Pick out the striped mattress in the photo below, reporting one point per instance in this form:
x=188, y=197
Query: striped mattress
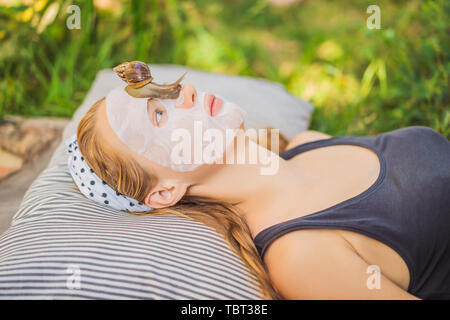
x=63, y=246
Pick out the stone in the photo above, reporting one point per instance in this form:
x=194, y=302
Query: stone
x=20, y=168
x=9, y=163
x=22, y=140
x=26, y=138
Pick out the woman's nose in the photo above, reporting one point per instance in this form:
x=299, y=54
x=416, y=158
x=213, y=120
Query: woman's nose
x=189, y=95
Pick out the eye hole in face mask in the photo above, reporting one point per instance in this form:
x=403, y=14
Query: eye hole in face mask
x=156, y=113
x=158, y=116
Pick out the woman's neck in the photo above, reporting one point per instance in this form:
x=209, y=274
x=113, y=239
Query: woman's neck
x=263, y=198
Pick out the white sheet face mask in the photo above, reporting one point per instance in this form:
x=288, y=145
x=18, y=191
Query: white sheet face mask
x=172, y=136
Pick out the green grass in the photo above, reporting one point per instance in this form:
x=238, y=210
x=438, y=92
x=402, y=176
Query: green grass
x=361, y=81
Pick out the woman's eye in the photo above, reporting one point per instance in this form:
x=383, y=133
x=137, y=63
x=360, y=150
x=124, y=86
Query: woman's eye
x=158, y=116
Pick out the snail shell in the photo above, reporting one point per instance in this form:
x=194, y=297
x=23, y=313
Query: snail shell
x=137, y=75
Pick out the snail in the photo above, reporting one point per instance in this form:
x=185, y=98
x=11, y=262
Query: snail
x=140, y=82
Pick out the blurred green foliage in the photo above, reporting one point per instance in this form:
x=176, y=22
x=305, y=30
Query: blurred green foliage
x=361, y=81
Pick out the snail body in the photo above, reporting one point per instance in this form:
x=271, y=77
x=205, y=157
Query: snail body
x=140, y=82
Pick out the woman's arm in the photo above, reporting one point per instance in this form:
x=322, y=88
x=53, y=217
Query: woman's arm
x=319, y=264
x=306, y=136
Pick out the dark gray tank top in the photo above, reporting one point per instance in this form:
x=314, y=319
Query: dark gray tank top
x=407, y=208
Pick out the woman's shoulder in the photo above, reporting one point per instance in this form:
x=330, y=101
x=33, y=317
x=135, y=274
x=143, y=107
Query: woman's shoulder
x=299, y=260
x=305, y=137
x=303, y=245
x=323, y=264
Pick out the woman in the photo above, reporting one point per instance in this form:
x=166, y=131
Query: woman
x=342, y=218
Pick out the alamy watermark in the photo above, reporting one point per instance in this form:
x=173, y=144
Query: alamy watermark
x=374, y=280
x=193, y=150
x=74, y=20
x=73, y=281
x=374, y=20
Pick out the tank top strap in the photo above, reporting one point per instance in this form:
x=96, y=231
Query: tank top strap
x=340, y=140
x=266, y=236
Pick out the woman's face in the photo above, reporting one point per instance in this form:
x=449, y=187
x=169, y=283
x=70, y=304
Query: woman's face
x=210, y=104
x=182, y=133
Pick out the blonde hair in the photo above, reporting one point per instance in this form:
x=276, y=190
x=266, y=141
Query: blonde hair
x=126, y=176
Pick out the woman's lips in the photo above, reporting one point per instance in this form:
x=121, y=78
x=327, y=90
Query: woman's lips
x=216, y=105
x=213, y=104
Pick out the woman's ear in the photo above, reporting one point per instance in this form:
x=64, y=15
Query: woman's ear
x=165, y=195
